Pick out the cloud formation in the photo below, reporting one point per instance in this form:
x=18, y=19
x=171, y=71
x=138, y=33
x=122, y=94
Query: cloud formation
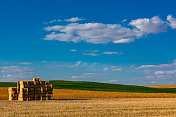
x=98, y=33
x=15, y=73
x=172, y=21
x=112, y=68
x=92, y=33
x=26, y=63
x=172, y=72
x=160, y=66
x=154, y=25
x=112, y=53
x=73, y=19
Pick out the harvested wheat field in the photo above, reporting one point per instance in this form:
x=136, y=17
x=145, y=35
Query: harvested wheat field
x=121, y=107
x=4, y=93
x=83, y=94
x=161, y=86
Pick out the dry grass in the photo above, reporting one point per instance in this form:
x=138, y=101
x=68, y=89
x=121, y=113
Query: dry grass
x=161, y=86
x=82, y=94
x=121, y=107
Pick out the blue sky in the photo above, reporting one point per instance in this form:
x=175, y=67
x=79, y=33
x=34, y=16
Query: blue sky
x=125, y=42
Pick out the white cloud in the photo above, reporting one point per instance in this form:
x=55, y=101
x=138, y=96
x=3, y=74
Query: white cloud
x=111, y=53
x=160, y=66
x=26, y=63
x=92, y=33
x=15, y=73
x=52, y=21
x=77, y=64
x=112, y=68
x=153, y=25
x=172, y=72
x=91, y=54
x=116, y=69
x=105, y=69
x=88, y=75
x=98, y=33
x=129, y=40
x=73, y=19
x=124, y=20
x=67, y=64
x=113, y=81
x=172, y=21
x=73, y=50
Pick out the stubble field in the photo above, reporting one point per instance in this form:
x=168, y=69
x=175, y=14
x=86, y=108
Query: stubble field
x=81, y=103
x=114, y=107
x=161, y=86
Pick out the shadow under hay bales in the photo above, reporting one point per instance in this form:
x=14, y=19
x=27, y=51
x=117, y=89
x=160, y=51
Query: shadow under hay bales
x=70, y=99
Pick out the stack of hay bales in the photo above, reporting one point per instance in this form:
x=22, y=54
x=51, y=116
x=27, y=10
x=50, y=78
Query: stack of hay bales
x=33, y=90
x=13, y=93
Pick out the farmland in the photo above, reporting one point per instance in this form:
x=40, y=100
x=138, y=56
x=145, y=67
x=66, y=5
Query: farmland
x=121, y=107
x=77, y=99
x=95, y=86
x=83, y=94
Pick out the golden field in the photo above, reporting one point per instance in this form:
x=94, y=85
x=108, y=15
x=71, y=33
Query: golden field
x=4, y=93
x=161, y=86
x=114, y=107
x=83, y=94
x=81, y=103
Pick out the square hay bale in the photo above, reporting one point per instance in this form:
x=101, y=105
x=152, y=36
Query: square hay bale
x=37, y=92
x=38, y=89
x=42, y=82
x=49, y=88
x=50, y=92
x=36, y=79
x=22, y=99
x=37, y=86
x=31, y=89
x=44, y=89
x=37, y=83
x=30, y=82
x=46, y=82
x=13, y=97
x=22, y=96
x=23, y=82
x=38, y=95
x=24, y=90
x=31, y=93
x=24, y=86
x=12, y=90
x=38, y=98
x=31, y=86
x=31, y=98
x=50, y=97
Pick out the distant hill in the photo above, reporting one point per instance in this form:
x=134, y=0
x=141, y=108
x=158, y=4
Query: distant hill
x=95, y=86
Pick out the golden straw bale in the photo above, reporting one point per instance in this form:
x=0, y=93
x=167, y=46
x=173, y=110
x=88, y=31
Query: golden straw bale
x=36, y=79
